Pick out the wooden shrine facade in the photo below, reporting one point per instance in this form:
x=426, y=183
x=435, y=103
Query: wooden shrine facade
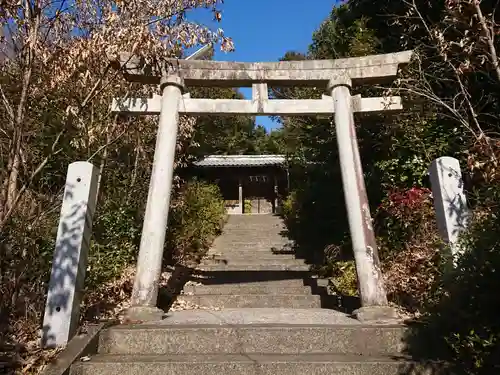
x=250, y=184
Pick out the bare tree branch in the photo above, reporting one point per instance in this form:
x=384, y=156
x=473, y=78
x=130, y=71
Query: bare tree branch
x=490, y=38
x=8, y=107
x=6, y=217
x=108, y=143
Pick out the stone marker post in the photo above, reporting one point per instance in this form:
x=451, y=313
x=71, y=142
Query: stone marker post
x=276, y=201
x=146, y=284
x=370, y=280
x=450, y=202
x=240, y=196
x=62, y=310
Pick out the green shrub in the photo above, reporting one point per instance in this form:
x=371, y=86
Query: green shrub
x=344, y=279
x=289, y=206
x=471, y=303
x=116, y=238
x=463, y=326
x=289, y=211
x=26, y=250
x=248, y=206
x=196, y=218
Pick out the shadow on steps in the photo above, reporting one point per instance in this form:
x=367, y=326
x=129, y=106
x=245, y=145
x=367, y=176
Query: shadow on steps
x=181, y=275
x=242, y=276
x=168, y=293
x=421, y=367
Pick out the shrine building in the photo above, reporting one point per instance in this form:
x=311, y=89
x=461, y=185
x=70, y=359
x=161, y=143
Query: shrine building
x=250, y=184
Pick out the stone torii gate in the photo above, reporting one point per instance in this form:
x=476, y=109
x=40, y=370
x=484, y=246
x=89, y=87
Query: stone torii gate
x=336, y=76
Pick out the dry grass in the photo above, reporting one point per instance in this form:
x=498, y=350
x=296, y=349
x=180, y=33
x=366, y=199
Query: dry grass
x=410, y=276
x=22, y=344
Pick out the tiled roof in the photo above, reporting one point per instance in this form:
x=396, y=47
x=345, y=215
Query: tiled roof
x=241, y=160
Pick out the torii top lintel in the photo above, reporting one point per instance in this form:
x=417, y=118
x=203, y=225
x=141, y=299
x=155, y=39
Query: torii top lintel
x=367, y=69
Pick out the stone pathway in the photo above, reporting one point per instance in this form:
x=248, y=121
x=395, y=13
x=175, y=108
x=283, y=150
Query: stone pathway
x=262, y=313
x=252, y=265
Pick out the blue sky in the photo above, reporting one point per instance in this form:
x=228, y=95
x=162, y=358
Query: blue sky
x=263, y=30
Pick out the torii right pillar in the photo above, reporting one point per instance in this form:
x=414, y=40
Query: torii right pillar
x=374, y=303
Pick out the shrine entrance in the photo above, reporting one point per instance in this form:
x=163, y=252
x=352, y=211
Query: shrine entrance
x=250, y=184
x=258, y=194
x=335, y=78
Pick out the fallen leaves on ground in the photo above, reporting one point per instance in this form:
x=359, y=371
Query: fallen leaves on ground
x=22, y=344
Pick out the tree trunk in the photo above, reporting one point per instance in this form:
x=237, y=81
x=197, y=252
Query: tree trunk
x=5, y=186
x=490, y=39
x=33, y=17
x=13, y=178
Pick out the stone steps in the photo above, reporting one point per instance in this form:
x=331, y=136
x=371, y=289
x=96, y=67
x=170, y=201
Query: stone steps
x=354, y=339
x=254, y=300
x=255, y=261
x=250, y=255
x=257, y=230
x=252, y=251
x=255, y=267
x=234, y=275
x=248, y=247
x=241, y=248
x=259, y=233
x=259, y=237
x=253, y=288
x=267, y=281
x=258, y=223
x=270, y=229
x=249, y=364
x=254, y=342
x=258, y=316
x=247, y=221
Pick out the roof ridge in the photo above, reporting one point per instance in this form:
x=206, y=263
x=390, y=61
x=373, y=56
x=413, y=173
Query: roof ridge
x=242, y=160
x=243, y=155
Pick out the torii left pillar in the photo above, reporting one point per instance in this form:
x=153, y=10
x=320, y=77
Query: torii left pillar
x=147, y=279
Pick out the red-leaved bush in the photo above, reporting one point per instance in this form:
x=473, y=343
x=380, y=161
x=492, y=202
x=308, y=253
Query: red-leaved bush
x=409, y=246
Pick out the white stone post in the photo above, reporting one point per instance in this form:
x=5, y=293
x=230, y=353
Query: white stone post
x=149, y=263
x=62, y=310
x=276, y=203
x=370, y=281
x=240, y=196
x=450, y=202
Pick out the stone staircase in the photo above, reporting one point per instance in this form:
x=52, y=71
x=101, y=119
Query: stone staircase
x=264, y=314
x=253, y=265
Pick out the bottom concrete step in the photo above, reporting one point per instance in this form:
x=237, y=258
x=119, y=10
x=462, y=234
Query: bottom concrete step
x=252, y=364
x=253, y=300
x=166, y=338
